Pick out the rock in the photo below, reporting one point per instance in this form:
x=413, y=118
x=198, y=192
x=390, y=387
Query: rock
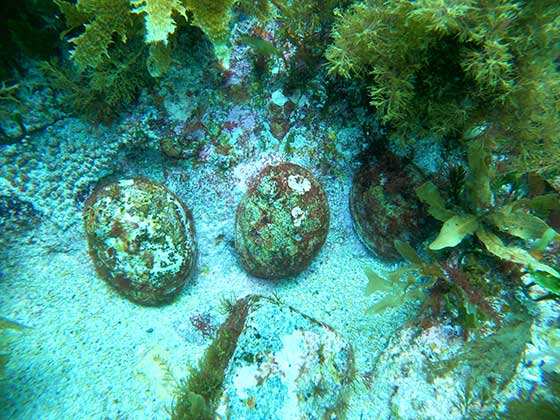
x=16, y=216
x=281, y=113
x=385, y=207
x=434, y=374
x=185, y=145
x=281, y=222
x=272, y=362
x=141, y=239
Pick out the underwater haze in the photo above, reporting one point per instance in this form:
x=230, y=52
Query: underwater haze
x=280, y=209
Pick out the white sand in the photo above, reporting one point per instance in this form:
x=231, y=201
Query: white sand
x=87, y=354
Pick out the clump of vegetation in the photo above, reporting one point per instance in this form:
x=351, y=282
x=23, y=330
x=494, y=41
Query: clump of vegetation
x=119, y=44
x=306, y=25
x=213, y=17
x=110, y=60
x=440, y=68
x=101, y=21
x=101, y=94
x=479, y=213
x=454, y=286
x=300, y=40
x=399, y=290
x=453, y=279
x=197, y=397
x=104, y=20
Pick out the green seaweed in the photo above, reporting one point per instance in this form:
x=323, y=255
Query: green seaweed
x=452, y=277
x=118, y=44
x=197, y=397
x=482, y=217
x=101, y=21
x=100, y=94
x=442, y=285
x=213, y=17
x=402, y=285
x=442, y=68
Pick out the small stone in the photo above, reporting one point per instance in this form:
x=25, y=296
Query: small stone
x=186, y=144
x=282, y=222
x=278, y=98
x=141, y=239
x=182, y=147
x=279, y=128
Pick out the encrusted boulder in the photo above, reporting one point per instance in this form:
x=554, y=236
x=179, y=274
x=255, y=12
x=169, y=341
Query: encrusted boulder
x=141, y=239
x=269, y=361
x=384, y=205
x=281, y=222
x=435, y=374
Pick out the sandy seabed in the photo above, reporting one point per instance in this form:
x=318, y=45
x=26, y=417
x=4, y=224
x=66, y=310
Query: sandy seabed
x=91, y=354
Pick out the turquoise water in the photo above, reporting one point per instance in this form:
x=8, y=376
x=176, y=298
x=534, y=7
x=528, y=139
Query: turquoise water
x=105, y=317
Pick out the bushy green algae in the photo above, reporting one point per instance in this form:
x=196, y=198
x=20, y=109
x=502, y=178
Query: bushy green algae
x=103, y=19
x=442, y=68
x=499, y=225
x=482, y=216
x=116, y=45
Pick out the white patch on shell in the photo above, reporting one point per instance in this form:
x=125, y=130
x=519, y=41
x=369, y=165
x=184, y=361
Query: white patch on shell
x=298, y=215
x=299, y=184
x=126, y=183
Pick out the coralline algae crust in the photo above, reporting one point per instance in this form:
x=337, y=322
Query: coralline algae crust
x=281, y=222
x=141, y=239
